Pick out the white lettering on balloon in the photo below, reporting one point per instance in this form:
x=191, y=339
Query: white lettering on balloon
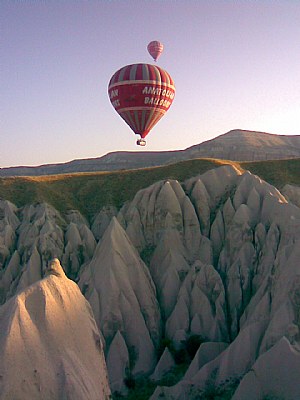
x=156, y=101
x=116, y=103
x=114, y=93
x=158, y=92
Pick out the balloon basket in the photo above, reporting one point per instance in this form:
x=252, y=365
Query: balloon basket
x=141, y=142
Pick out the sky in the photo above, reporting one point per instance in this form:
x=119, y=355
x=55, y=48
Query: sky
x=235, y=64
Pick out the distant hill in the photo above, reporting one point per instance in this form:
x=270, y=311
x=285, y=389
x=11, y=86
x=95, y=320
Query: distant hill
x=236, y=145
x=241, y=145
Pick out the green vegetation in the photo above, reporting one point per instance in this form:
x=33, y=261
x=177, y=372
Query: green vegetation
x=146, y=254
x=143, y=388
x=187, y=351
x=89, y=192
x=225, y=391
x=276, y=172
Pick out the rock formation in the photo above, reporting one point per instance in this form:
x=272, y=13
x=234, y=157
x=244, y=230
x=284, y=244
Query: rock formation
x=164, y=365
x=256, y=253
x=214, y=258
x=50, y=345
x=276, y=371
x=292, y=194
x=123, y=298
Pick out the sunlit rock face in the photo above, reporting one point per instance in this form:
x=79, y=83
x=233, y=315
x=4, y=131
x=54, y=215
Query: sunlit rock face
x=50, y=345
x=215, y=257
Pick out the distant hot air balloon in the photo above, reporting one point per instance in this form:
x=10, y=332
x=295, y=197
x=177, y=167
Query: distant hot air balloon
x=155, y=49
x=141, y=94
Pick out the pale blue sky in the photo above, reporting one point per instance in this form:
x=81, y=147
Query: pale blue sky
x=236, y=64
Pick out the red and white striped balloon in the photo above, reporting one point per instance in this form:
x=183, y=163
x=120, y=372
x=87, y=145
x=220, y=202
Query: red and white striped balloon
x=155, y=48
x=141, y=94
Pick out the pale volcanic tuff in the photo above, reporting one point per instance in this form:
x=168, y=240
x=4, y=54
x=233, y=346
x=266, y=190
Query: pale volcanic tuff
x=222, y=255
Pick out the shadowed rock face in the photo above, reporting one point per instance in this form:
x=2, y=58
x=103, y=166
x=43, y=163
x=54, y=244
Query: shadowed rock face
x=123, y=297
x=224, y=266
x=221, y=262
x=292, y=194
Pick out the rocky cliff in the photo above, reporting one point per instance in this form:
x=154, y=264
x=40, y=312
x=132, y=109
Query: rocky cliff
x=214, y=258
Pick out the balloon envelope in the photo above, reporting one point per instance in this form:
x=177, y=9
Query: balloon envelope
x=155, y=48
x=141, y=94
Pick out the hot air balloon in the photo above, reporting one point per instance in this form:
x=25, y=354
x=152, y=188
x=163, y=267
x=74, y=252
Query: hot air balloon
x=155, y=49
x=141, y=94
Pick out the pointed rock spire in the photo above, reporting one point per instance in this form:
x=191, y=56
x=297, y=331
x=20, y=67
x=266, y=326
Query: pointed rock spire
x=127, y=296
x=49, y=344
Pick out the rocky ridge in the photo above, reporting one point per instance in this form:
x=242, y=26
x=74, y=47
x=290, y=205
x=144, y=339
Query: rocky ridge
x=237, y=145
x=215, y=257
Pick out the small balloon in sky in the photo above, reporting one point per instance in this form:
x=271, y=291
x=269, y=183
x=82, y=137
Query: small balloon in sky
x=141, y=94
x=155, y=48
